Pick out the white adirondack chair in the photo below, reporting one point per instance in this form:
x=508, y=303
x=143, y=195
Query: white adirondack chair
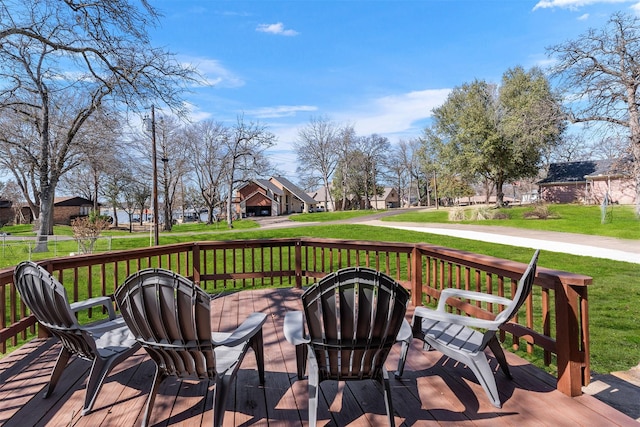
x=465, y=338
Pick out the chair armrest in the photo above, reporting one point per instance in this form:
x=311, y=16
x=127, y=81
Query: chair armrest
x=294, y=328
x=244, y=332
x=104, y=301
x=443, y=316
x=405, y=334
x=472, y=295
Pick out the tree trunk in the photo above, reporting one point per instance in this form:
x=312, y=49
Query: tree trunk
x=229, y=205
x=115, y=215
x=634, y=128
x=45, y=226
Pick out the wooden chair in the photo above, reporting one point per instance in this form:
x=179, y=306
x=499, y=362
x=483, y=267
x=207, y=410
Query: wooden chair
x=353, y=316
x=170, y=316
x=465, y=338
x=104, y=343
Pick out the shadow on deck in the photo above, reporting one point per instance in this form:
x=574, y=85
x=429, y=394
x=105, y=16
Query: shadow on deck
x=434, y=389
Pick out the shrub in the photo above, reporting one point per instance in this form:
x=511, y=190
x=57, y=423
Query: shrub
x=540, y=211
x=481, y=214
x=500, y=215
x=86, y=230
x=456, y=214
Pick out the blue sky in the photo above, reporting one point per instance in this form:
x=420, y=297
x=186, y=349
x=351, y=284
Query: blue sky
x=381, y=66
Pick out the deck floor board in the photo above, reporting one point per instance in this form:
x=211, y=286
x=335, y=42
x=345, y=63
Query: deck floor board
x=434, y=390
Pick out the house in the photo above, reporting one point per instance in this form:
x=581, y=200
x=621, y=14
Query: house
x=322, y=198
x=66, y=209
x=6, y=212
x=294, y=200
x=389, y=199
x=272, y=197
x=589, y=181
x=258, y=198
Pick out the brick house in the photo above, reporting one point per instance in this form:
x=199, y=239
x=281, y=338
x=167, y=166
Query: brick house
x=588, y=182
x=272, y=197
x=258, y=198
x=66, y=209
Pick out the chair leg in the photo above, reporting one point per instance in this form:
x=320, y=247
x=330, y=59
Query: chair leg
x=480, y=367
x=220, y=393
x=387, y=397
x=157, y=380
x=256, y=343
x=314, y=388
x=301, y=360
x=498, y=352
x=56, y=373
x=99, y=371
x=403, y=359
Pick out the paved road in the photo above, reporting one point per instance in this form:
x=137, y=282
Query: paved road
x=626, y=250
x=576, y=244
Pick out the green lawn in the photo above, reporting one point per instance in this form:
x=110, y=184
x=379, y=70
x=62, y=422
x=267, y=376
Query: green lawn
x=331, y=216
x=620, y=221
x=613, y=297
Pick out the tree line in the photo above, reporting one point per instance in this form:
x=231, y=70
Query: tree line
x=75, y=75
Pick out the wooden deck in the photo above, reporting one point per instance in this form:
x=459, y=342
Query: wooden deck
x=434, y=391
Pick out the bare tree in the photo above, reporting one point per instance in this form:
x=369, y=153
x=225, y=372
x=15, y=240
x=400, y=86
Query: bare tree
x=206, y=142
x=100, y=156
x=175, y=162
x=316, y=149
x=373, y=151
x=600, y=71
x=244, y=156
x=399, y=167
x=345, y=146
x=60, y=61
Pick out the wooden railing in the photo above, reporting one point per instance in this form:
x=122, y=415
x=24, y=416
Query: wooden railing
x=554, y=319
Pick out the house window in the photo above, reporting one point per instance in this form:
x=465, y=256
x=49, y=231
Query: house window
x=84, y=210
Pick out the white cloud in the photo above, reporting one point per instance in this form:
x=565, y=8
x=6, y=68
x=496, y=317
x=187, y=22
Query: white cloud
x=572, y=4
x=215, y=74
x=583, y=17
x=280, y=111
x=396, y=117
x=396, y=114
x=195, y=113
x=277, y=28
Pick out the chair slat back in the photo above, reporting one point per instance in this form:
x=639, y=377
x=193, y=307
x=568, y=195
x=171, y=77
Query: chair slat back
x=47, y=300
x=353, y=316
x=523, y=290
x=170, y=316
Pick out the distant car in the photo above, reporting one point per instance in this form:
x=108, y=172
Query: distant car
x=319, y=209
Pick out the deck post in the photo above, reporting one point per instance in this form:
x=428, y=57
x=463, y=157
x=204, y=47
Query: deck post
x=569, y=354
x=416, y=277
x=298, y=256
x=195, y=253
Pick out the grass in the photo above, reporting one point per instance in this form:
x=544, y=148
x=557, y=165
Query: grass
x=613, y=297
x=620, y=221
x=331, y=216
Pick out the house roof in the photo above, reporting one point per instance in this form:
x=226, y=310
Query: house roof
x=269, y=186
x=577, y=172
x=319, y=195
x=295, y=190
x=71, y=201
x=387, y=192
x=611, y=168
